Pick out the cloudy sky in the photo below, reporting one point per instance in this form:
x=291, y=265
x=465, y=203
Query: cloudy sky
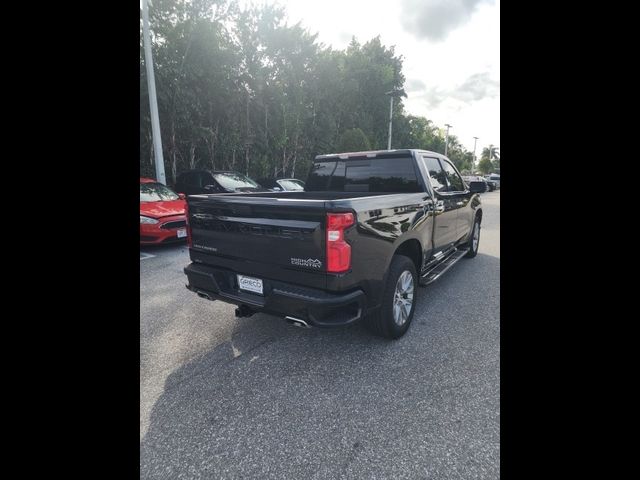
x=451, y=51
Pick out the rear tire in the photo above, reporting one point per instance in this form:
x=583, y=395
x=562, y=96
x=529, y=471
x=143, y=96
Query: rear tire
x=393, y=318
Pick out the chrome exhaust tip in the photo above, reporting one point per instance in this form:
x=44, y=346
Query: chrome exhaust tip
x=297, y=322
x=202, y=294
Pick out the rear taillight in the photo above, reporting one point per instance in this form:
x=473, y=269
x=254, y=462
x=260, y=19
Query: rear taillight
x=338, y=250
x=186, y=218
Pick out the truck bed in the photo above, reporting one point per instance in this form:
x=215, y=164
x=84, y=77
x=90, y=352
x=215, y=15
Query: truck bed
x=281, y=235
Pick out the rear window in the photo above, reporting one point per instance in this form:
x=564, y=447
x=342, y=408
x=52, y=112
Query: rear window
x=389, y=175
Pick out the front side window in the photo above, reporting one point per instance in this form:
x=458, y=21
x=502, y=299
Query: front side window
x=455, y=181
x=156, y=192
x=436, y=174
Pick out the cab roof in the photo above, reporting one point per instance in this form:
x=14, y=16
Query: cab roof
x=403, y=152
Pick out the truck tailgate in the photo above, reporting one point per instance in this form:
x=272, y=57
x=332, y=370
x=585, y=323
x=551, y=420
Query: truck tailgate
x=271, y=238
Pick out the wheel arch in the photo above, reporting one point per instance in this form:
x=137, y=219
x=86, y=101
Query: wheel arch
x=412, y=249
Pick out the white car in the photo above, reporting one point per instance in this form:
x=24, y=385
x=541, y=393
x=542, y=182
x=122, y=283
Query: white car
x=494, y=178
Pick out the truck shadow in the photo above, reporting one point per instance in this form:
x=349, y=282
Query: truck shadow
x=275, y=396
x=164, y=247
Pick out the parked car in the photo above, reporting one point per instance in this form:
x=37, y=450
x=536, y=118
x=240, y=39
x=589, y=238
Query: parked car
x=368, y=229
x=282, y=184
x=195, y=182
x=479, y=182
x=162, y=213
x=494, y=178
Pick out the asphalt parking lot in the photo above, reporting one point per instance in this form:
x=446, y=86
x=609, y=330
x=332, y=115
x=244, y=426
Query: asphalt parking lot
x=222, y=397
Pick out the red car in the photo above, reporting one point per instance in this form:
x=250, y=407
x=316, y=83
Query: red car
x=162, y=213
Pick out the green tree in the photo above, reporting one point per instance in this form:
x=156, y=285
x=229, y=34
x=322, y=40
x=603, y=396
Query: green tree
x=496, y=160
x=354, y=140
x=485, y=165
x=241, y=89
x=493, y=162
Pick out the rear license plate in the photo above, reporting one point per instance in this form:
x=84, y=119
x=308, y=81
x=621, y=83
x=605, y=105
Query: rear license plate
x=250, y=284
x=182, y=232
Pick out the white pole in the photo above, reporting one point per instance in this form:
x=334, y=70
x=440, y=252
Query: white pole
x=153, y=102
x=475, y=140
x=446, y=139
x=390, y=118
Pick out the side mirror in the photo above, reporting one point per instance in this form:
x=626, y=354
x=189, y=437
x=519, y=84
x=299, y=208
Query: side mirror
x=477, y=187
x=182, y=196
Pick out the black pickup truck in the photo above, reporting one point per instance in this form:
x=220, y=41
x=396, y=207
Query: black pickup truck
x=369, y=228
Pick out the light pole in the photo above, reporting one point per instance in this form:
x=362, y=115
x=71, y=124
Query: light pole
x=393, y=93
x=446, y=138
x=475, y=140
x=153, y=102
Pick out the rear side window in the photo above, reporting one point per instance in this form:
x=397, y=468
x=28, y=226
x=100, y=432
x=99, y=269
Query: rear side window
x=389, y=175
x=437, y=175
x=191, y=179
x=182, y=179
x=455, y=181
x=205, y=178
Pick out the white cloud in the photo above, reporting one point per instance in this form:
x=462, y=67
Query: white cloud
x=434, y=19
x=476, y=87
x=414, y=85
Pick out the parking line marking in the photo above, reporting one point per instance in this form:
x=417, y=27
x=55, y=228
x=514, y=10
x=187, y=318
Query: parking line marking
x=146, y=255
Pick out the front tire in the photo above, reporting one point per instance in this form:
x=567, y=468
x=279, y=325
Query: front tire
x=394, y=316
x=474, y=240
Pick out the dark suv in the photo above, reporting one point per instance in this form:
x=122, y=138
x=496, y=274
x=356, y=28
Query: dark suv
x=195, y=182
